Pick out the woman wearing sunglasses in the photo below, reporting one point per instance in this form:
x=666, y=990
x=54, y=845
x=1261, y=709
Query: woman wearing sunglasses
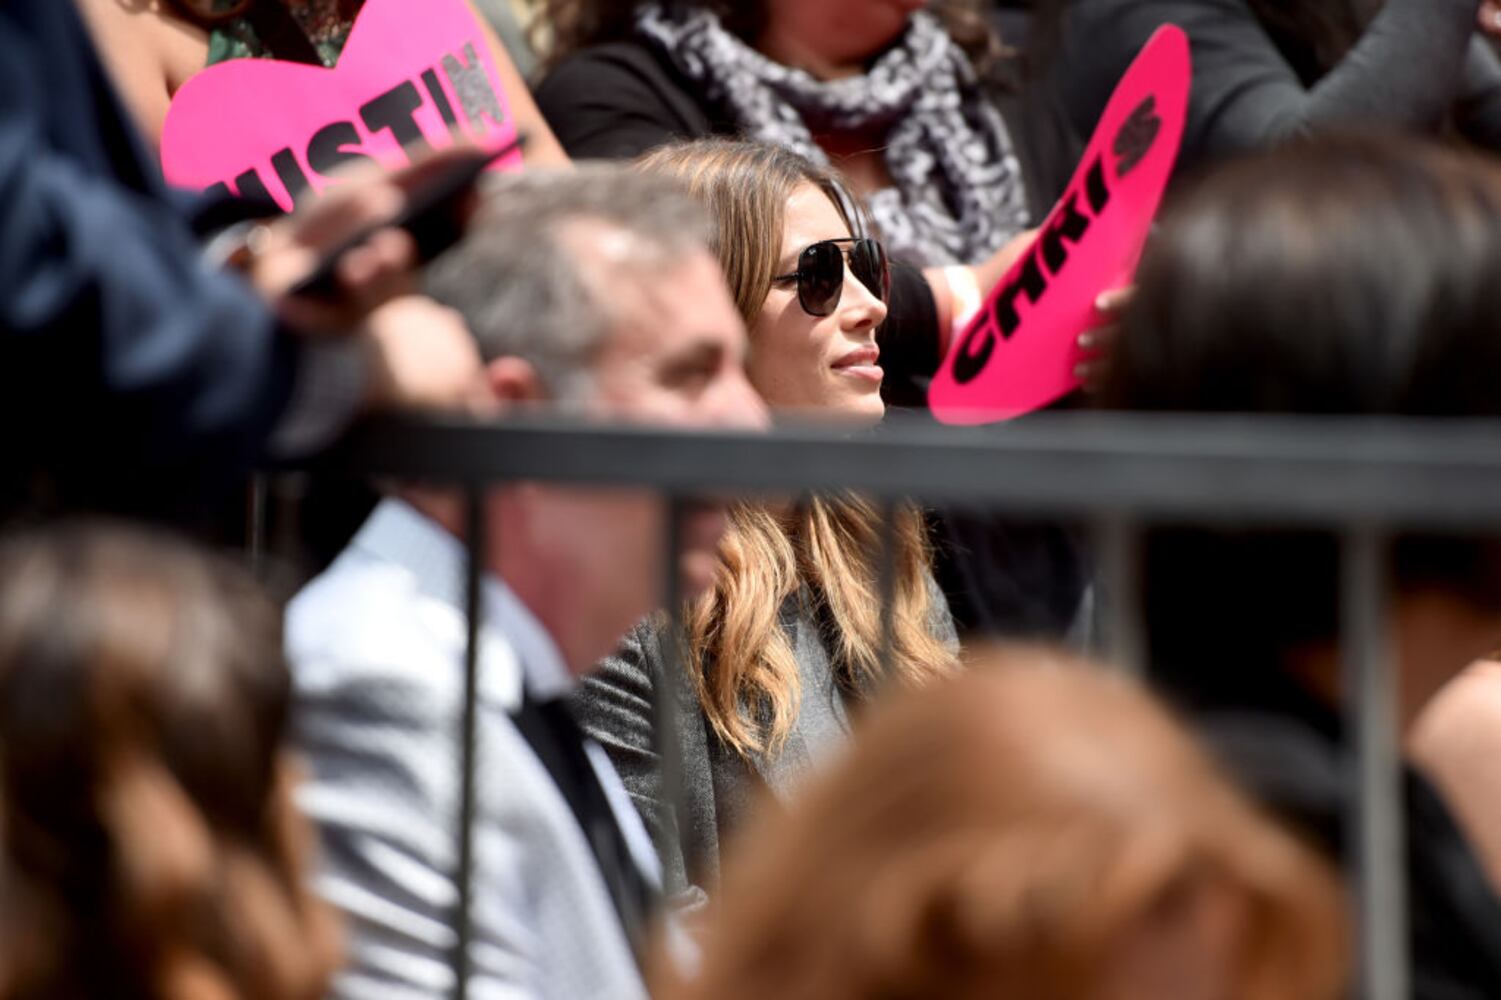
x=789, y=639
x=906, y=99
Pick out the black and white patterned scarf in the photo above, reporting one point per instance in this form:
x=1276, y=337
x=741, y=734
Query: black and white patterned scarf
x=958, y=195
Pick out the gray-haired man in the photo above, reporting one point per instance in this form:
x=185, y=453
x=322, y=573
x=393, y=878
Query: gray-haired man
x=592, y=290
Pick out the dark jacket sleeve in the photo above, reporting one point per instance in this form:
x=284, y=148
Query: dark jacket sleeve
x=114, y=337
x=618, y=101
x=1478, y=109
x=1403, y=73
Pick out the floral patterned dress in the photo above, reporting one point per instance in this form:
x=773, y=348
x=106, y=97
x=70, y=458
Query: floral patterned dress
x=320, y=20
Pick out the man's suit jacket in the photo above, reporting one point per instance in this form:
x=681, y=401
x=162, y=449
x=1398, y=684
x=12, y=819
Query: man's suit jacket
x=377, y=646
x=122, y=355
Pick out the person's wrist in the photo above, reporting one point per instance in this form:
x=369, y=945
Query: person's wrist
x=964, y=294
x=238, y=247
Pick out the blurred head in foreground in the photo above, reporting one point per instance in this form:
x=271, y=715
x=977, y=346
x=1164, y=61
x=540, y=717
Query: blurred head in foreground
x=1342, y=276
x=151, y=848
x=1032, y=829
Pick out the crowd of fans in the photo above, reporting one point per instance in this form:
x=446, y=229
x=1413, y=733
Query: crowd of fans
x=208, y=794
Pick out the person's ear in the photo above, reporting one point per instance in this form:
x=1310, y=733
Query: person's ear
x=513, y=382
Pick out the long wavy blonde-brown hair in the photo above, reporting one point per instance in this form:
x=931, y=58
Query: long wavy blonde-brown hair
x=825, y=551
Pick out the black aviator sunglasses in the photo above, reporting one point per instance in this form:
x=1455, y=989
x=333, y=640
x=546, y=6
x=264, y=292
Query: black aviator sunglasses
x=820, y=272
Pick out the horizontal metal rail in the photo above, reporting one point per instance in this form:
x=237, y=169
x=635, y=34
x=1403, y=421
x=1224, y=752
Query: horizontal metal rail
x=1363, y=478
x=1407, y=473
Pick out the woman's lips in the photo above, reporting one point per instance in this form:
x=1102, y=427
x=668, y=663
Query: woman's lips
x=861, y=363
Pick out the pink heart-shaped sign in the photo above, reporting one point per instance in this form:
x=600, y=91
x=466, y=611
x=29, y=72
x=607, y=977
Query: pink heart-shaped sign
x=414, y=74
x=1020, y=350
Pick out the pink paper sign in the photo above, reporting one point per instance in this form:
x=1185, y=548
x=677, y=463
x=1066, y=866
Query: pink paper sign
x=1019, y=352
x=414, y=74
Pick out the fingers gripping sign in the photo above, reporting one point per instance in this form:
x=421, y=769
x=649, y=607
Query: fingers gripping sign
x=1023, y=349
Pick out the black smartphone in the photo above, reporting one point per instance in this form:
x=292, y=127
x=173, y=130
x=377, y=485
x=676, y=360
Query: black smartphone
x=431, y=215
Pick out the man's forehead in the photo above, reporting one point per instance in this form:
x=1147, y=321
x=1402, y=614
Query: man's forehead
x=664, y=310
x=600, y=245
x=621, y=270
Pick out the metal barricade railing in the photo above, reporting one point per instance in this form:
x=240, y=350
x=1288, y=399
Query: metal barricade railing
x=1361, y=478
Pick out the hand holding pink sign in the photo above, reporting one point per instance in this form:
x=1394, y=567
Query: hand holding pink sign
x=414, y=75
x=1020, y=351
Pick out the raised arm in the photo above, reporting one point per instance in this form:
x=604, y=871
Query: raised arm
x=104, y=303
x=542, y=148
x=1403, y=72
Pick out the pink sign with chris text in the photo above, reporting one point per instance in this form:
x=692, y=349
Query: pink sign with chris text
x=1019, y=351
x=414, y=75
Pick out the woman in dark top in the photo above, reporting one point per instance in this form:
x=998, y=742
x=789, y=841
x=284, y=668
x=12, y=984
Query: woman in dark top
x=898, y=100
x=1269, y=70
x=1335, y=277
x=882, y=91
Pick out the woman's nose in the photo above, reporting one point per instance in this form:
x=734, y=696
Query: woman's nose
x=860, y=307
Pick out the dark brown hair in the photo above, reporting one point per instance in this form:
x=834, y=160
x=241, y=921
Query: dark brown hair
x=1346, y=275
x=1003, y=833
x=151, y=848
x=1314, y=36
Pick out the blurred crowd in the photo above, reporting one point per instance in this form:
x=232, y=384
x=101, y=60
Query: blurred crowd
x=724, y=215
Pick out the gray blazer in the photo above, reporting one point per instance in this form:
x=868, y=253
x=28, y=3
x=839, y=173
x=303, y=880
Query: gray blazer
x=377, y=648
x=617, y=707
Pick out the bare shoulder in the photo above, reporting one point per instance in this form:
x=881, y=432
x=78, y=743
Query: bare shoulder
x=543, y=149
x=1456, y=741
x=148, y=50
x=1464, y=716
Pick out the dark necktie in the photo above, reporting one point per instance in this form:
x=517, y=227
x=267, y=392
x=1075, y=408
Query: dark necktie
x=555, y=737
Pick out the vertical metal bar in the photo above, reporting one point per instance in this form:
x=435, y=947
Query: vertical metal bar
x=1375, y=830
x=1118, y=592
x=255, y=524
x=887, y=583
x=669, y=750
x=286, y=495
x=476, y=544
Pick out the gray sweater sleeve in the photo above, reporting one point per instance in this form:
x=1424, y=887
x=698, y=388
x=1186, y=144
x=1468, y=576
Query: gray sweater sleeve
x=1404, y=72
x=940, y=617
x=616, y=706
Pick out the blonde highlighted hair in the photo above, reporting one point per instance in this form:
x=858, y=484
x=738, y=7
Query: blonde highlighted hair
x=825, y=552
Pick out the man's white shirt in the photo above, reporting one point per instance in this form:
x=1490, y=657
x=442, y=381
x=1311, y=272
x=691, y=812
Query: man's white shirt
x=377, y=646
